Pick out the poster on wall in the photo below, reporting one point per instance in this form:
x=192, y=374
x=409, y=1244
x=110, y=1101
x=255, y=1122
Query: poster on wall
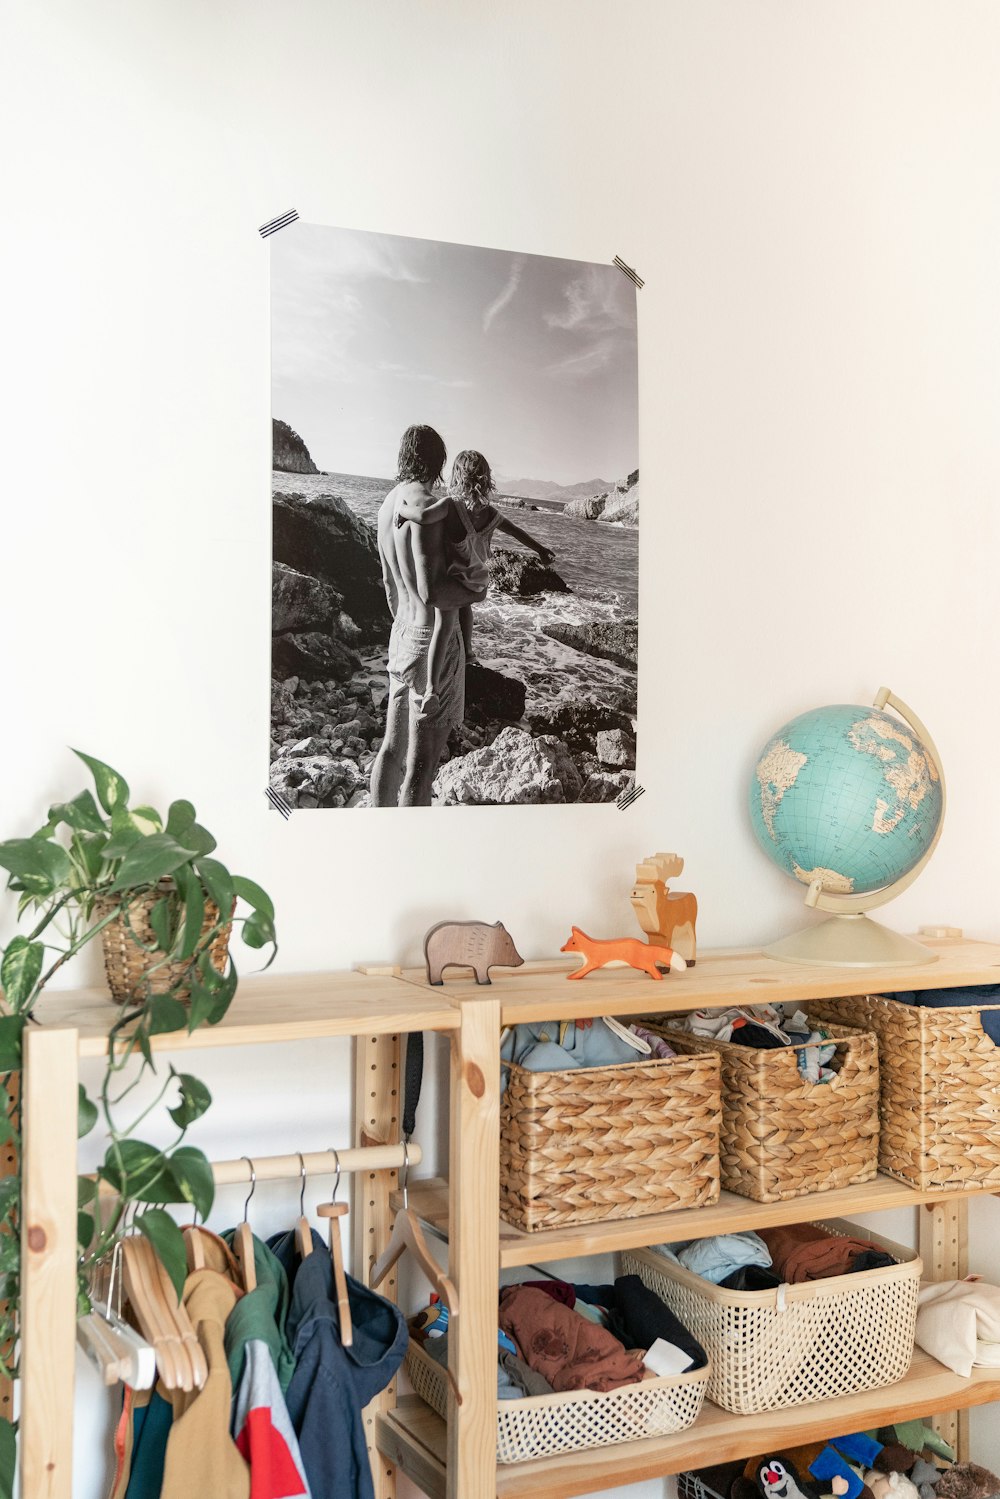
x=455, y=523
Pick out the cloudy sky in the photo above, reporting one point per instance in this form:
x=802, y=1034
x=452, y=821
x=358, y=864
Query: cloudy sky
x=530, y=359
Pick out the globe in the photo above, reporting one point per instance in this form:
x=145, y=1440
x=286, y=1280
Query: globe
x=850, y=801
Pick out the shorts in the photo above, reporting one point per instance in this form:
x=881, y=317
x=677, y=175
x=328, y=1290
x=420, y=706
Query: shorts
x=407, y=667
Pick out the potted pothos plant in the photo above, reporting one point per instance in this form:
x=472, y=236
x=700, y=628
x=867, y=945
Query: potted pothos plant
x=99, y=867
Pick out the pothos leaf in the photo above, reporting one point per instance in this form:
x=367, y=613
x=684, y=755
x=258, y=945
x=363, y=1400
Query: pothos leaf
x=168, y=1241
x=86, y=1113
x=21, y=969
x=195, y=1099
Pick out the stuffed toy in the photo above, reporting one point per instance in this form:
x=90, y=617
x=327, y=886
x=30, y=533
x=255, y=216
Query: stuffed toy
x=895, y=1458
x=967, y=1481
x=890, y=1485
x=926, y=1477
x=778, y=1478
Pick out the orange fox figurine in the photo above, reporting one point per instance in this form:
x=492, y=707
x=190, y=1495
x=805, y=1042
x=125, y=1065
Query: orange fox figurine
x=641, y=955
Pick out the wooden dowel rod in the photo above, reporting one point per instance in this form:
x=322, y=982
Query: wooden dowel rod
x=316, y=1162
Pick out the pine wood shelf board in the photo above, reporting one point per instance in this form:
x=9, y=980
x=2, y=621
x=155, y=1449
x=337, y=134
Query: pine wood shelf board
x=730, y=1215
x=540, y=991
x=418, y=1436
x=272, y=1007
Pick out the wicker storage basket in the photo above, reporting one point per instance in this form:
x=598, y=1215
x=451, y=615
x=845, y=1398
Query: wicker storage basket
x=709, y=1483
x=594, y=1143
x=940, y=1091
x=783, y=1137
x=126, y=960
x=813, y=1341
x=546, y=1424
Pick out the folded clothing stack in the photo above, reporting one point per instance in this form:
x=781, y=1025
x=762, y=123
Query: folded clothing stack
x=555, y=1337
x=557, y=1045
x=946, y=999
x=767, y=1027
x=762, y=1261
x=958, y=1323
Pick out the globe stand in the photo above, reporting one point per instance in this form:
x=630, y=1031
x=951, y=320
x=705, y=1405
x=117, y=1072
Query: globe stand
x=850, y=941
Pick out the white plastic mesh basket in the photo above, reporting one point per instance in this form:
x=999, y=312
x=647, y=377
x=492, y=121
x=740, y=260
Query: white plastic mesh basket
x=812, y=1341
x=546, y=1424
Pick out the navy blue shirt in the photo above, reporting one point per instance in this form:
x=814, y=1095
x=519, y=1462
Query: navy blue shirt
x=332, y=1384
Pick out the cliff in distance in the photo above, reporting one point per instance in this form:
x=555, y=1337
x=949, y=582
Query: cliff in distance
x=289, y=452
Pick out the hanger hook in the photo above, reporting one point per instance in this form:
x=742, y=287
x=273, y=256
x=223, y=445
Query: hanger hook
x=253, y=1186
x=406, y=1173
x=336, y=1182
x=302, y=1187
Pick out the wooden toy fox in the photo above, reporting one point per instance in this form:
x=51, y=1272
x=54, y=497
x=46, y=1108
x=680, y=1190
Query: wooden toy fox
x=641, y=955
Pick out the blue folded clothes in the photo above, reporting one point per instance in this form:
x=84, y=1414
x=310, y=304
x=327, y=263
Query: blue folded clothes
x=945, y=999
x=555, y=1045
x=716, y=1258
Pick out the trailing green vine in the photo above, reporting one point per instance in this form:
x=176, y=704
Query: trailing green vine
x=83, y=870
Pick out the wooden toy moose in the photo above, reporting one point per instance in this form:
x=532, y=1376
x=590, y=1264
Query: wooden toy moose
x=668, y=917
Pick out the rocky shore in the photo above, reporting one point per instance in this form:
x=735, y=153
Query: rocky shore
x=616, y=507
x=331, y=626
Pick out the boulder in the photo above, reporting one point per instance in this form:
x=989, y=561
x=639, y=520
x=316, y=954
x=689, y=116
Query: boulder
x=314, y=655
x=616, y=747
x=578, y=724
x=316, y=780
x=288, y=452
x=514, y=770
x=522, y=573
x=320, y=535
x=623, y=508
x=298, y=601
x=491, y=695
x=605, y=786
x=613, y=640
x=590, y=508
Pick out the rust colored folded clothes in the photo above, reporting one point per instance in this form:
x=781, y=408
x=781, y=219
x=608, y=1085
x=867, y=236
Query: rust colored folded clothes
x=570, y=1352
x=801, y=1252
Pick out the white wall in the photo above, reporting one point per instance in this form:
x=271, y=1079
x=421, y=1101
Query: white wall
x=811, y=194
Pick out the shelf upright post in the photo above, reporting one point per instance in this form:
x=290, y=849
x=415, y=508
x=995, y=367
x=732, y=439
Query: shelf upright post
x=943, y=1245
x=376, y=1116
x=474, y=1253
x=48, y=1261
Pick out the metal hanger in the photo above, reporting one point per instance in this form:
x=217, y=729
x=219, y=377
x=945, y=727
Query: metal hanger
x=243, y=1238
x=335, y=1210
x=303, y=1231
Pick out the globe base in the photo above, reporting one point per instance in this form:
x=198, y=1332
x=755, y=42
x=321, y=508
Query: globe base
x=850, y=941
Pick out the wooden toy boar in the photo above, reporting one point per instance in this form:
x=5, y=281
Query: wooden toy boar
x=469, y=944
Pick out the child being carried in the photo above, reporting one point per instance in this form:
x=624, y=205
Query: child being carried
x=470, y=523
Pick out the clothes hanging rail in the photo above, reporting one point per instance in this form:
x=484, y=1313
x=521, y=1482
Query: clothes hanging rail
x=310, y=1162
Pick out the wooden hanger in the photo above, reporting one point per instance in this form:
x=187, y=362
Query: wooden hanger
x=408, y=1235
x=303, y=1231
x=184, y=1325
x=195, y=1249
x=111, y=1345
x=335, y=1210
x=154, y=1313
x=243, y=1238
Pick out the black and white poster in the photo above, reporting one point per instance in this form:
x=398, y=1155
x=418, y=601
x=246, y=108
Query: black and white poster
x=455, y=496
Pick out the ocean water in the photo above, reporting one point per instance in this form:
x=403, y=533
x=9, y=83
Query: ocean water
x=600, y=563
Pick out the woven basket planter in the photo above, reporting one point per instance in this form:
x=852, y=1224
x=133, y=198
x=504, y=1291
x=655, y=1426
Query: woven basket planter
x=940, y=1091
x=594, y=1143
x=814, y=1341
x=126, y=962
x=546, y=1424
x=781, y=1136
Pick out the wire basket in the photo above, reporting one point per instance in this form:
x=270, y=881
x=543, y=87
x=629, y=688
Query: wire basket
x=797, y=1343
x=542, y=1425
